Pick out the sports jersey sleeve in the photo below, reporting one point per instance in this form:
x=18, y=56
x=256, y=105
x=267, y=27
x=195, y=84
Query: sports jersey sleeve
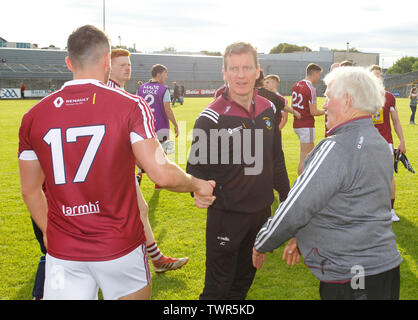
x=199, y=157
x=26, y=151
x=312, y=97
x=322, y=178
x=141, y=122
x=281, y=179
x=279, y=103
x=284, y=100
x=167, y=96
x=391, y=102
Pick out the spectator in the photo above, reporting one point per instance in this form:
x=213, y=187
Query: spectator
x=181, y=95
x=22, y=90
x=413, y=96
x=176, y=94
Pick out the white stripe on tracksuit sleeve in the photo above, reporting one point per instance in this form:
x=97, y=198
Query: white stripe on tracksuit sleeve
x=310, y=193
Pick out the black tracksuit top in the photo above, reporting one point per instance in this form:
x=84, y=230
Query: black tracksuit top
x=236, y=131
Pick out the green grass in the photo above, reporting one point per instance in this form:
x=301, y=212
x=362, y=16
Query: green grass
x=179, y=227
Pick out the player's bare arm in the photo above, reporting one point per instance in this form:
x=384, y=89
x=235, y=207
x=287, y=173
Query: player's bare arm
x=292, y=111
x=171, y=117
x=31, y=180
x=313, y=109
x=398, y=129
x=168, y=174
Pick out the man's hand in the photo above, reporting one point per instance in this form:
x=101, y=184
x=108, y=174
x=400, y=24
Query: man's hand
x=296, y=114
x=402, y=147
x=176, y=130
x=291, y=252
x=258, y=259
x=203, y=196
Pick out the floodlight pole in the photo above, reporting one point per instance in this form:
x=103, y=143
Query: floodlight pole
x=104, y=15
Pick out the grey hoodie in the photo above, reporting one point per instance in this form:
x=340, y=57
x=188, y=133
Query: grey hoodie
x=339, y=208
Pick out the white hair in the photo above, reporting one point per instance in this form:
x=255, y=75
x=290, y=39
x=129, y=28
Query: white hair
x=365, y=89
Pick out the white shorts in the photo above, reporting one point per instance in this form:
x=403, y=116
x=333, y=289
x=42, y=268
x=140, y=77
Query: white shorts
x=305, y=135
x=80, y=280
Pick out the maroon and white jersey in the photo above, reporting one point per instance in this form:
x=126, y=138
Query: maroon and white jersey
x=283, y=98
x=113, y=84
x=303, y=94
x=381, y=120
x=82, y=136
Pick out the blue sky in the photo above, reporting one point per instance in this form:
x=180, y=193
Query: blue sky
x=386, y=27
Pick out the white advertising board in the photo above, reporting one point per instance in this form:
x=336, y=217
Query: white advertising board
x=10, y=93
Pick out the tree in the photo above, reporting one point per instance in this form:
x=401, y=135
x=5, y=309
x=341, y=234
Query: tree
x=404, y=65
x=415, y=66
x=288, y=48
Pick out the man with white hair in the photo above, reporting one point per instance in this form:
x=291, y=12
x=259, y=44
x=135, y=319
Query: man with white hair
x=336, y=208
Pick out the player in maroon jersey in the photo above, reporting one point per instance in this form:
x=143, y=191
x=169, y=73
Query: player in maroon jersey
x=83, y=141
x=271, y=82
x=304, y=100
x=382, y=123
x=120, y=73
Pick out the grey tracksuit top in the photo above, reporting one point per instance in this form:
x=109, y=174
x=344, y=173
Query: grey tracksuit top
x=339, y=208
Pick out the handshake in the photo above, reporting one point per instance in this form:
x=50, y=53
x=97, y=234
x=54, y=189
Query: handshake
x=203, y=196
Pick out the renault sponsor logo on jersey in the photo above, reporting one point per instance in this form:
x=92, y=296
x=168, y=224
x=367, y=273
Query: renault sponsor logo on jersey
x=58, y=102
x=76, y=102
x=268, y=123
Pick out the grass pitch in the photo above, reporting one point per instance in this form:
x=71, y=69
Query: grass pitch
x=179, y=227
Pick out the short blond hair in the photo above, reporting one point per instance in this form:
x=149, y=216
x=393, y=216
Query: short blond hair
x=374, y=67
x=346, y=63
x=272, y=76
x=119, y=52
x=365, y=89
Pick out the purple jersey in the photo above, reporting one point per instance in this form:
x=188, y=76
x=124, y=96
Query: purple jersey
x=153, y=93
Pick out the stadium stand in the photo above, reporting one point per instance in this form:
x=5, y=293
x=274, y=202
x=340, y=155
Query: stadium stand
x=400, y=85
x=40, y=69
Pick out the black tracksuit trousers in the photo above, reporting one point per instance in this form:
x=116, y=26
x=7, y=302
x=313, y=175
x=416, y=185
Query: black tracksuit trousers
x=230, y=238
x=382, y=286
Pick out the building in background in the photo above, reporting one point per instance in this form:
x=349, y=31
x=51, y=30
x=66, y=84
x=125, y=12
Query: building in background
x=20, y=45
x=200, y=74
